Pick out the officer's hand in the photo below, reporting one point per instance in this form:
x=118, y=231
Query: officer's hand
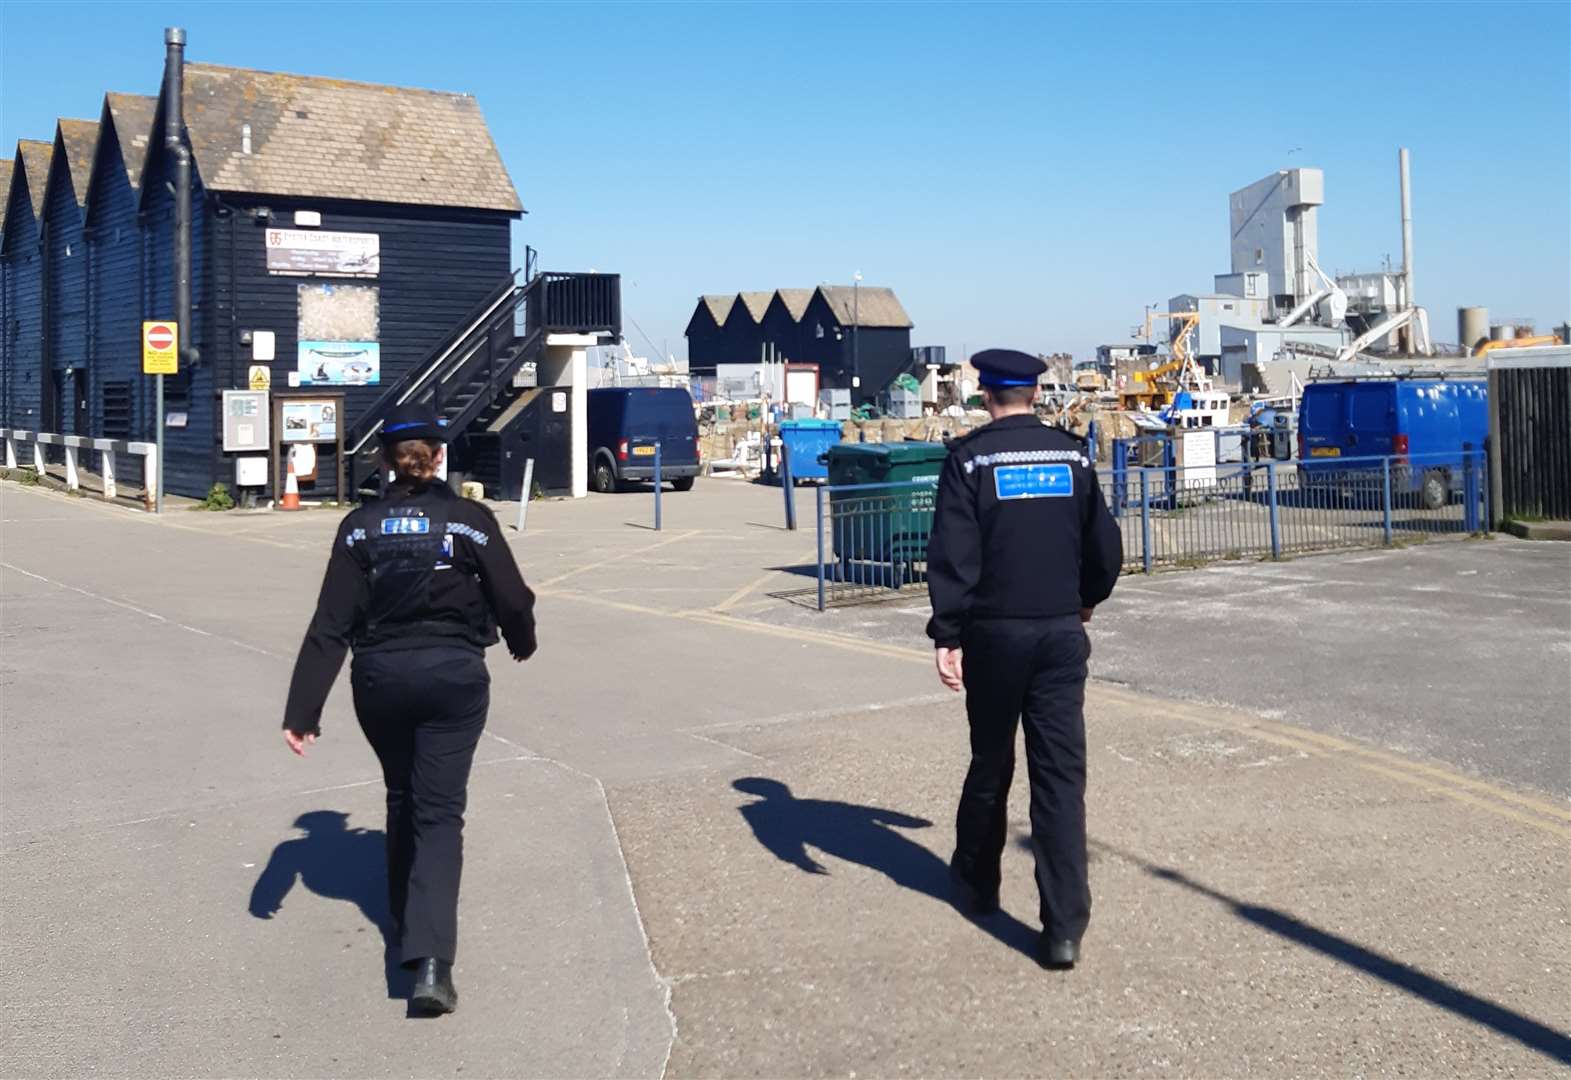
x=951, y=668
x=298, y=743
x=1085, y=614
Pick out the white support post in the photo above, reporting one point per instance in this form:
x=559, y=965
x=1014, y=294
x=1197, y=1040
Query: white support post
x=73, y=479
x=150, y=477
x=10, y=450
x=106, y=466
x=38, y=456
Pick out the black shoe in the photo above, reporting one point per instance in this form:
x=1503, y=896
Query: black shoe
x=968, y=898
x=433, y=993
x=1057, y=955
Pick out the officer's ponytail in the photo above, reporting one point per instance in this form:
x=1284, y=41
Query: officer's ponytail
x=414, y=461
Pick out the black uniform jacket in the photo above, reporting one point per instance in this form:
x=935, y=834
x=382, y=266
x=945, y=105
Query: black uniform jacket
x=413, y=569
x=1020, y=531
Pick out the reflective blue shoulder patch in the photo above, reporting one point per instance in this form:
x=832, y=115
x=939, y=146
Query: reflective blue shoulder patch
x=1034, y=481
x=405, y=526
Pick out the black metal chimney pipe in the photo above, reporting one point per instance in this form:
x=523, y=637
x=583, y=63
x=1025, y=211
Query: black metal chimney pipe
x=180, y=153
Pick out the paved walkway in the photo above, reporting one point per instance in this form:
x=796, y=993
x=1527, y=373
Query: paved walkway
x=704, y=841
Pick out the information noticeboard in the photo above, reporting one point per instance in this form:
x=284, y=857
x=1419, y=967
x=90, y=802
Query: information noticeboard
x=310, y=419
x=247, y=422
x=301, y=420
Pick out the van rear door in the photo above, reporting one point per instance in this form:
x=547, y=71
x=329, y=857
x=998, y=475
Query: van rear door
x=1322, y=420
x=1371, y=419
x=664, y=415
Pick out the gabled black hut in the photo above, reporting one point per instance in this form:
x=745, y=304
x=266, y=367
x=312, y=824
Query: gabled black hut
x=866, y=327
x=122, y=400
x=7, y=169
x=23, y=390
x=66, y=280
x=704, y=333
x=781, y=322
x=741, y=337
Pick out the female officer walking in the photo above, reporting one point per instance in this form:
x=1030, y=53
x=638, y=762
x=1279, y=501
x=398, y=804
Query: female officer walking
x=417, y=584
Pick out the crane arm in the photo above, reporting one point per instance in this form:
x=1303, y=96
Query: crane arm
x=1516, y=343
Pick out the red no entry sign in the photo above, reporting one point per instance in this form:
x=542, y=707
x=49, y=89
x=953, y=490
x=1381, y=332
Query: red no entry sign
x=160, y=352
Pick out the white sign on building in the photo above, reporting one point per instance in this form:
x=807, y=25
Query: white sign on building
x=304, y=252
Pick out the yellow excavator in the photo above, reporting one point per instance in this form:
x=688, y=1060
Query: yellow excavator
x=1516, y=343
x=1153, y=389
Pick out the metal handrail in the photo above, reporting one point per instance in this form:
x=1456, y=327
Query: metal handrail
x=395, y=396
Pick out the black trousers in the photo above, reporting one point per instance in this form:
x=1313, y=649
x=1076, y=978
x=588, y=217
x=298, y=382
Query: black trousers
x=1033, y=670
x=423, y=711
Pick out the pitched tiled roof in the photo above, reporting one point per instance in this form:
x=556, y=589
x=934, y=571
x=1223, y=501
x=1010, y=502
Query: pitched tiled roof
x=719, y=306
x=328, y=138
x=79, y=138
x=754, y=304
x=873, y=305
x=6, y=168
x=35, y=157
x=795, y=301
x=133, y=119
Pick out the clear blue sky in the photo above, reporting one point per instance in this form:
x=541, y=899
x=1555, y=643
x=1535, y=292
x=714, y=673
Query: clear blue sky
x=1021, y=175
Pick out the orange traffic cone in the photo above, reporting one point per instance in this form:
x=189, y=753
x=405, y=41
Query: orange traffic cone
x=291, y=500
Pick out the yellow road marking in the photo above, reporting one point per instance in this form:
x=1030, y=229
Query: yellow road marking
x=1429, y=778
x=619, y=558
x=747, y=590
x=1444, y=782
x=1332, y=741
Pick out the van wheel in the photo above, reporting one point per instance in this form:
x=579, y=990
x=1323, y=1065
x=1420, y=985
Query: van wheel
x=1436, y=490
x=683, y=483
x=605, y=477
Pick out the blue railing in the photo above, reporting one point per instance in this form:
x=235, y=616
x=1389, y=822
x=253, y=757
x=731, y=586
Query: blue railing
x=872, y=538
x=1174, y=517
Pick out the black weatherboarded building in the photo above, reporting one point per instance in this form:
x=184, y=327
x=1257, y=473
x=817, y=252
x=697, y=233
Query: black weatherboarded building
x=850, y=332
x=340, y=232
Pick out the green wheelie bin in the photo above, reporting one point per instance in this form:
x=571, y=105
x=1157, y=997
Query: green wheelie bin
x=881, y=505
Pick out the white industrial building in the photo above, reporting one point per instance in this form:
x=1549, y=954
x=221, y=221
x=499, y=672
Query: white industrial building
x=1276, y=301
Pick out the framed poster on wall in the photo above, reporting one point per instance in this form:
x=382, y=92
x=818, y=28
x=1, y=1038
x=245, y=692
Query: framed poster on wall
x=310, y=419
x=339, y=363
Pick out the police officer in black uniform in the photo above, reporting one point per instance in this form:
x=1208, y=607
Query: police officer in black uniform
x=417, y=585
x=1022, y=549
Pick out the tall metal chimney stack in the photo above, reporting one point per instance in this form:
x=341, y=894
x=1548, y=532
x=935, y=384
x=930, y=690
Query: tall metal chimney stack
x=175, y=143
x=1407, y=229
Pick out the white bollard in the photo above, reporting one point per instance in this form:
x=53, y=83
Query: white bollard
x=529, y=487
x=73, y=480
x=150, y=477
x=106, y=465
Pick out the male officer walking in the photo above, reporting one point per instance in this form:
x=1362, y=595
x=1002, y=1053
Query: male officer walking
x=1022, y=549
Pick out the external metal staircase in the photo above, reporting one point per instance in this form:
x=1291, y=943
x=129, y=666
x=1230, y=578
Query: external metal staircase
x=469, y=376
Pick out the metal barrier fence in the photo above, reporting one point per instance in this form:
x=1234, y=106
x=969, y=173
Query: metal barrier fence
x=75, y=445
x=872, y=539
x=1175, y=517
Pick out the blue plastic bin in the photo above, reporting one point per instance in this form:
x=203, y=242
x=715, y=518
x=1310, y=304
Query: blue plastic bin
x=806, y=441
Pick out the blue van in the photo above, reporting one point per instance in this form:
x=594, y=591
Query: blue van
x=624, y=425
x=1349, y=425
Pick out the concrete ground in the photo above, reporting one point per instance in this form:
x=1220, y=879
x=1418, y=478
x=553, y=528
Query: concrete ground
x=1457, y=650
x=708, y=828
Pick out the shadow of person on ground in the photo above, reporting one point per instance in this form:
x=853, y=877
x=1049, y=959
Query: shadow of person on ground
x=337, y=863
x=788, y=826
x=1555, y=1045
